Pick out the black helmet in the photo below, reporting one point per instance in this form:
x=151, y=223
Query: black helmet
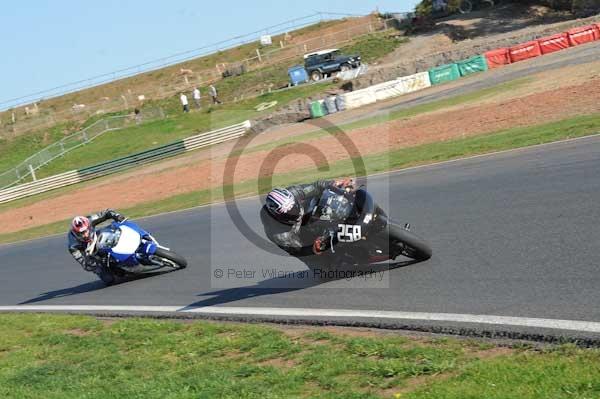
x=282, y=205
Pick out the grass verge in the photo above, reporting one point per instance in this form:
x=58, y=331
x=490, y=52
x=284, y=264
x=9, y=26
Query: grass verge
x=58, y=356
x=398, y=159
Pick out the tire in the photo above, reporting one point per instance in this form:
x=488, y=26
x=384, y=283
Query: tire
x=107, y=277
x=415, y=247
x=316, y=76
x=465, y=7
x=487, y=4
x=172, y=256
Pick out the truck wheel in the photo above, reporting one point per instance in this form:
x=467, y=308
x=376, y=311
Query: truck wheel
x=316, y=75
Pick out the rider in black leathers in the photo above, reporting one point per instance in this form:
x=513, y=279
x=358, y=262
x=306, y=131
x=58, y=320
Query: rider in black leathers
x=77, y=244
x=306, y=196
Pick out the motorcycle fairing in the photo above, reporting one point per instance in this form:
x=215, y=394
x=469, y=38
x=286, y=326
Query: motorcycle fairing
x=127, y=245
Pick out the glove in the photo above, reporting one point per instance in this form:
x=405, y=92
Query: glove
x=90, y=264
x=116, y=215
x=321, y=244
x=318, y=246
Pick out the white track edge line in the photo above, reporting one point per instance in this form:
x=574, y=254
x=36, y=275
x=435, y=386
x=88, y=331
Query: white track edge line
x=556, y=324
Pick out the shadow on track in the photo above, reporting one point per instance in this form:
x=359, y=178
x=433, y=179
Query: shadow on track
x=278, y=285
x=78, y=289
x=83, y=288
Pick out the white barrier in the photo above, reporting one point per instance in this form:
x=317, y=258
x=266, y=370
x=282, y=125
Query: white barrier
x=418, y=81
x=385, y=90
x=117, y=165
x=359, y=98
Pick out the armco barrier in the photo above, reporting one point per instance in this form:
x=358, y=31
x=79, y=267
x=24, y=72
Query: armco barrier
x=583, y=34
x=117, y=165
x=524, y=51
x=550, y=44
x=497, y=58
x=472, y=65
x=444, y=73
x=418, y=81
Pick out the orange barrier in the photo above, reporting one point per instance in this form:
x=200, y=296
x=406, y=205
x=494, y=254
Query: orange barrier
x=550, y=44
x=583, y=34
x=497, y=58
x=524, y=51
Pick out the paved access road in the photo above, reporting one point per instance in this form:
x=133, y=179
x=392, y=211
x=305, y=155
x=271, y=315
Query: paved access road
x=513, y=234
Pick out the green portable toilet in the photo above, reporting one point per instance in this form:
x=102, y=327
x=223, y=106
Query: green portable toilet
x=317, y=109
x=472, y=65
x=444, y=73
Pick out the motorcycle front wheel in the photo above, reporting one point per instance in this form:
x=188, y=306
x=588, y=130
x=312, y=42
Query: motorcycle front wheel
x=107, y=276
x=410, y=244
x=171, y=257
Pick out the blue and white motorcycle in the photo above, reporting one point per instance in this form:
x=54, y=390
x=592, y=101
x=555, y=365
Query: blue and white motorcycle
x=124, y=248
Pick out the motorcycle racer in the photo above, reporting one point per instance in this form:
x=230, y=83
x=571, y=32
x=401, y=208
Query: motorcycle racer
x=83, y=233
x=288, y=206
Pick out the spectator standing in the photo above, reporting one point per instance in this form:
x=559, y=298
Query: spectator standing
x=212, y=90
x=138, y=116
x=184, y=102
x=196, y=96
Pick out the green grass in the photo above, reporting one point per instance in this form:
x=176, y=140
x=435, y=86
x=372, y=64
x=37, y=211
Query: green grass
x=393, y=160
x=375, y=45
x=14, y=151
x=176, y=126
x=63, y=357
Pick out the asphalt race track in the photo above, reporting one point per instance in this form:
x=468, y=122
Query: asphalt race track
x=514, y=234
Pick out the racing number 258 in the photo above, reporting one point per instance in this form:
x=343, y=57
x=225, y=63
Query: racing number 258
x=349, y=232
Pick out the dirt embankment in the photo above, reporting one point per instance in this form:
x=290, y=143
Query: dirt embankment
x=530, y=109
x=438, y=47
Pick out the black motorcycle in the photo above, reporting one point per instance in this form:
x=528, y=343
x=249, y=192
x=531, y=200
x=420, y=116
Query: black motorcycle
x=357, y=227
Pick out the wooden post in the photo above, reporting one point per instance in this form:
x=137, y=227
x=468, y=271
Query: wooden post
x=32, y=173
x=14, y=119
x=259, y=57
x=280, y=44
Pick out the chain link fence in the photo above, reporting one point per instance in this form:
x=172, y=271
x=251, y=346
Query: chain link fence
x=25, y=171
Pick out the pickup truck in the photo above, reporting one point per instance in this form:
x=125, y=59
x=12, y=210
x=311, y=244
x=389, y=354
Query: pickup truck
x=325, y=62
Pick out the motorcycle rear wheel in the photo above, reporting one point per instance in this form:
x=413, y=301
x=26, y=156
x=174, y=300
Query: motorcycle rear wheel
x=413, y=246
x=171, y=256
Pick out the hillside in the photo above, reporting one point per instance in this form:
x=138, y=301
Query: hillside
x=264, y=73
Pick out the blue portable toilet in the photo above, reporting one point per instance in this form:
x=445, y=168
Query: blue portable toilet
x=297, y=75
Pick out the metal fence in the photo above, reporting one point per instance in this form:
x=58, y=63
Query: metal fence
x=27, y=168
x=76, y=176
